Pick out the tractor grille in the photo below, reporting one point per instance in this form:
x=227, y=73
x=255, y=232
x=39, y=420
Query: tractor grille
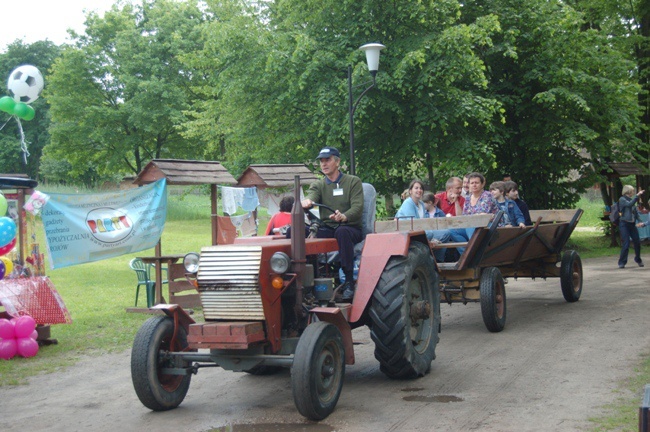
x=228, y=280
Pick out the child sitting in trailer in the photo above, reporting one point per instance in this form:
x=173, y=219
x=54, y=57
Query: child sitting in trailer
x=512, y=216
x=512, y=192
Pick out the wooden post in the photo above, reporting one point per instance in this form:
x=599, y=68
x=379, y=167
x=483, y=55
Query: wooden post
x=213, y=206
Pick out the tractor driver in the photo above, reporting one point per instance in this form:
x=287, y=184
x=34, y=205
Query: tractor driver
x=343, y=193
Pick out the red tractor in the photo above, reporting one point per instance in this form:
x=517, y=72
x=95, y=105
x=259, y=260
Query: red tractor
x=269, y=303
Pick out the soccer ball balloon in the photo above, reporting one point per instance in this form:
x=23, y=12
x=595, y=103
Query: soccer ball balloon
x=25, y=84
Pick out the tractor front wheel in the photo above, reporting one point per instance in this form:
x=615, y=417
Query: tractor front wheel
x=318, y=370
x=156, y=390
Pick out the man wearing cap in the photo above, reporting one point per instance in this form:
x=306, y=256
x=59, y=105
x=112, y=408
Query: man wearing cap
x=343, y=193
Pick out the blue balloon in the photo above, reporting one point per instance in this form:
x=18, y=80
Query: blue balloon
x=7, y=230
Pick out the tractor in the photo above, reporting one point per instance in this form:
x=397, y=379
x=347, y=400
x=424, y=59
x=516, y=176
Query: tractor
x=270, y=302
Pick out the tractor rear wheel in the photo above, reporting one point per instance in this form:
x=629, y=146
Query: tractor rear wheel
x=571, y=276
x=405, y=314
x=156, y=390
x=318, y=370
x=493, y=299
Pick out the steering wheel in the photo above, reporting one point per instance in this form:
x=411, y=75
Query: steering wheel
x=315, y=221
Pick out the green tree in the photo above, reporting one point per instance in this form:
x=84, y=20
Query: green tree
x=277, y=78
x=118, y=95
x=627, y=25
x=568, y=96
x=12, y=160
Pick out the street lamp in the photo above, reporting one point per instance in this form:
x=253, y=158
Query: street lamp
x=372, y=57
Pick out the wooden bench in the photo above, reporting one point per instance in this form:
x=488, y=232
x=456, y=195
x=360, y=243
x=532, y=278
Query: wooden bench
x=552, y=216
x=454, y=222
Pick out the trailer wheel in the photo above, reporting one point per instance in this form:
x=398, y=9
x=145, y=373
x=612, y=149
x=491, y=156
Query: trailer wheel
x=571, y=276
x=493, y=299
x=318, y=370
x=405, y=314
x=158, y=391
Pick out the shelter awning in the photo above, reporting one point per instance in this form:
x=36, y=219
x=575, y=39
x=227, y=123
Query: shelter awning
x=275, y=176
x=622, y=169
x=185, y=172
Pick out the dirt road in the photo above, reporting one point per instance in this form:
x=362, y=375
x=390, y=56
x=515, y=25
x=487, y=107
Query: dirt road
x=553, y=367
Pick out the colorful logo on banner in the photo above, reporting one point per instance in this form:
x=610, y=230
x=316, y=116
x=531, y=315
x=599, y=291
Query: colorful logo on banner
x=85, y=228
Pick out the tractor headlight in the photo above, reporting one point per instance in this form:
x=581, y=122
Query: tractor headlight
x=191, y=262
x=280, y=262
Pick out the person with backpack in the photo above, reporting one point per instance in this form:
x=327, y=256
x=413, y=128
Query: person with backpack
x=629, y=216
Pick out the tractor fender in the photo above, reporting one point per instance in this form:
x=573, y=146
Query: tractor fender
x=334, y=315
x=377, y=250
x=177, y=313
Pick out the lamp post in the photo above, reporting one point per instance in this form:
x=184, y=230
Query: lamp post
x=372, y=57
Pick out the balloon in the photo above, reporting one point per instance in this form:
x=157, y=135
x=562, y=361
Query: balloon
x=7, y=248
x=24, y=326
x=25, y=83
x=27, y=347
x=3, y=270
x=7, y=230
x=9, y=265
x=8, y=348
x=21, y=110
x=6, y=329
x=29, y=114
x=3, y=205
x=34, y=334
x=7, y=104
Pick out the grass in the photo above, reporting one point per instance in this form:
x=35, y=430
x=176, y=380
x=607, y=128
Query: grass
x=97, y=294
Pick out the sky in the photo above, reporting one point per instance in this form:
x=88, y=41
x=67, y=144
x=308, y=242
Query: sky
x=35, y=20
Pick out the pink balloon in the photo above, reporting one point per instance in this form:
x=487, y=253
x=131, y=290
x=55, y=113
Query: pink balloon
x=27, y=347
x=7, y=330
x=8, y=348
x=24, y=326
x=34, y=335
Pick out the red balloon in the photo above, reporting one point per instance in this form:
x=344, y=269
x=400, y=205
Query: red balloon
x=8, y=247
x=8, y=348
x=24, y=326
x=27, y=347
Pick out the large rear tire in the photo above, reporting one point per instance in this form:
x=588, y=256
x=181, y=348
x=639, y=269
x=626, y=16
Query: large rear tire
x=318, y=370
x=493, y=299
x=405, y=314
x=158, y=391
x=571, y=276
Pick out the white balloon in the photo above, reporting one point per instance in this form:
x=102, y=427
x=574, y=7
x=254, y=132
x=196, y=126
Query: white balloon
x=25, y=83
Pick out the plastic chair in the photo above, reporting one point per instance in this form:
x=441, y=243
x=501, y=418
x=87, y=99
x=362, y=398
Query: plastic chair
x=142, y=271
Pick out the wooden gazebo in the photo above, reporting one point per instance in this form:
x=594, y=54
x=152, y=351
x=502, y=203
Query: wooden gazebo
x=189, y=172
x=275, y=176
x=183, y=172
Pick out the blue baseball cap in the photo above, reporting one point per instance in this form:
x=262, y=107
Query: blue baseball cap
x=327, y=152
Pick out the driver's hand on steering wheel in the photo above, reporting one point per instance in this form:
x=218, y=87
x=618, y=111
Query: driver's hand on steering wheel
x=339, y=217
x=307, y=203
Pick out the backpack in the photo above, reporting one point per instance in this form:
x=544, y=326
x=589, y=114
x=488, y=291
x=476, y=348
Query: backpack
x=614, y=214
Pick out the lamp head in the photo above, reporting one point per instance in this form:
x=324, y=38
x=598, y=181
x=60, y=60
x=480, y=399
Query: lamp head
x=372, y=56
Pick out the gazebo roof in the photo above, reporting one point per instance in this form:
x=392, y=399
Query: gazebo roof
x=275, y=176
x=622, y=169
x=184, y=172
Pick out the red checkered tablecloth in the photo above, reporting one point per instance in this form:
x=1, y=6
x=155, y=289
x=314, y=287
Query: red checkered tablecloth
x=34, y=296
